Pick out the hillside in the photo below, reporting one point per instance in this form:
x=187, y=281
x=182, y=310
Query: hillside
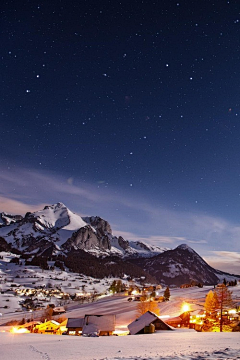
x=182, y=266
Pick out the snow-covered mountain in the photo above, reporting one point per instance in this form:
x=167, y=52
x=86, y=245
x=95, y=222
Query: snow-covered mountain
x=7, y=219
x=56, y=229
x=183, y=266
x=87, y=245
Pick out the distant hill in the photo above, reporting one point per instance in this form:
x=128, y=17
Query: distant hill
x=182, y=266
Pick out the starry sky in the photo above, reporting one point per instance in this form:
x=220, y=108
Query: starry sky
x=129, y=110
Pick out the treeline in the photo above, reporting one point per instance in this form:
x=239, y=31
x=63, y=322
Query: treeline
x=81, y=262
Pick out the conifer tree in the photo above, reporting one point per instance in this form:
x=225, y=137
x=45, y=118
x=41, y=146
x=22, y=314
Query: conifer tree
x=166, y=294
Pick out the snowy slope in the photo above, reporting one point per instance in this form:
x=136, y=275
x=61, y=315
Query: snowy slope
x=54, y=223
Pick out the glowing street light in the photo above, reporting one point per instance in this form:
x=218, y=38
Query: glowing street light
x=185, y=307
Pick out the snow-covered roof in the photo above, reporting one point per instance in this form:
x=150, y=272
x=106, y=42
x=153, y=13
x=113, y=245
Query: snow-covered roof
x=144, y=320
x=29, y=324
x=197, y=312
x=59, y=309
x=103, y=322
x=176, y=319
x=75, y=323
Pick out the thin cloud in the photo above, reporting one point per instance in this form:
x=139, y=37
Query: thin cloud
x=227, y=261
x=153, y=240
x=197, y=241
x=18, y=207
x=229, y=255
x=134, y=217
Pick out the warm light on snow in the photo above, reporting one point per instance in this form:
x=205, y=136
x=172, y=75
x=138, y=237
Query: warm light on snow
x=185, y=307
x=15, y=330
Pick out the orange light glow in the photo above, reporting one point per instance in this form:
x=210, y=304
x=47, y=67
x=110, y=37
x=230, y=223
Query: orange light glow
x=185, y=307
x=15, y=330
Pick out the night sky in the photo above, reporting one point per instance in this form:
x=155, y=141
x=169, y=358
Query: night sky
x=129, y=110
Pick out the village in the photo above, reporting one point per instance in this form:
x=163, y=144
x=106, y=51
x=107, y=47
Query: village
x=219, y=312
x=55, y=302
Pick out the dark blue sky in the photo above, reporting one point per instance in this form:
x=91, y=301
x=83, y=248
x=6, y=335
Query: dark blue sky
x=132, y=110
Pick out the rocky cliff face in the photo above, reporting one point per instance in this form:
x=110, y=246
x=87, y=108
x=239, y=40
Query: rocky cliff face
x=57, y=229
x=87, y=239
x=7, y=219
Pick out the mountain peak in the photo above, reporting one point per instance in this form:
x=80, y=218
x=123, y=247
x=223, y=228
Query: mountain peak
x=185, y=247
x=57, y=205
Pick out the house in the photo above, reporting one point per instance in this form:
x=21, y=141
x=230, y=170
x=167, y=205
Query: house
x=74, y=326
x=147, y=323
x=29, y=325
x=101, y=325
x=175, y=322
x=197, y=318
x=179, y=321
x=62, y=327
x=58, y=310
x=48, y=327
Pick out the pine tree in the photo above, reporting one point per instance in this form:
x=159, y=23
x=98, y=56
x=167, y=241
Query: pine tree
x=113, y=286
x=166, y=294
x=118, y=286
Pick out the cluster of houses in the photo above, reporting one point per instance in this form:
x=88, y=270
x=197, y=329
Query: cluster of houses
x=104, y=325
x=95, y=325
x=90, y=325
x=41, y=293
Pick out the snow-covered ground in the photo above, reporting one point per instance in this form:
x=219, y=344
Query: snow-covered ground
x=165, y=345
x=178, y=344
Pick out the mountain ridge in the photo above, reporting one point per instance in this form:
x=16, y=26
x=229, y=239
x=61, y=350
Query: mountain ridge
x=59, y=227
x=57, y=233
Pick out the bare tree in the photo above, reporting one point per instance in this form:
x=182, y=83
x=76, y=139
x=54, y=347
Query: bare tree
x=143, y=306
x=225, y=301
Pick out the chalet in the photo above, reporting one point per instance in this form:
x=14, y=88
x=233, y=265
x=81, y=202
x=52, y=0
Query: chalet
x=98, y=325
x=74, y=326
x=31, y=325
x=48, y=327
x=197, y=318
x=179, y=321
x=147, y=323
x=229, y=314
x=175, y=322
